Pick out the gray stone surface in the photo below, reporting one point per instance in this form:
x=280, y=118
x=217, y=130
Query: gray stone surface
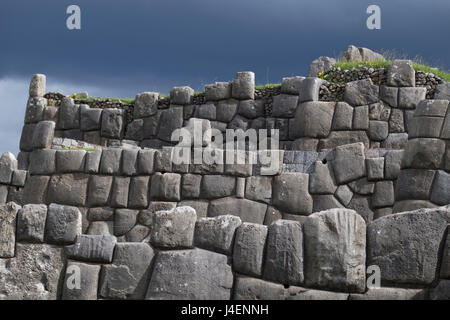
x=244, y=86
x=339, y=138
x=217, y=186
x=69, y=114
x=172, y=119
x=165, y=187
x=389, y=95
x=35, y=190
x=124, y=221
x=313, y=119
x=3, y=194
x=33, y=274
x=178, y=275
x=440, y=192
x=335, y=250
x=393, y=160
x=218, y=91
x=126, y=277
x=361, y=92
x=285, y=267
x=441, y=291
x=90, y=118
x=70, y=161
x=92, y=162
x=414, y=184
x=247, y=288
x=8, y=218
x=259, y=188
x=383, y=195
x=344, y=194
x=290, y=193
x=174, y=229
x=181, y=95
x=361, y=204
x=410, y=205
x=42, y=161
x=400, y=73
x=35, y=109
x=190, y=186
x=145, y=104
x=378, y=130
x=63, y=224
x=349, y=163
x=200, y=207
x=284, y=105
x=375, y=168
x=112, y=123
x=138, y=192
x=43, y=135
x=321, y=180
x=396, y=121
x=361, y=118
x=135, y=130
x=442, y=91
x=129, y=162
x=37, y=85
x=110, y=161
x=89, y=275
x=425, y=127
x=249, y=249
x=99, y=190
x=325, y=202
x=92, y=248
x=31, y=223
x=321, y=64
x=146, y=161
x=247, y=210
x=390, y=294
x=343, y=116
x=68, y=189
x=309, y=89
x=8, y=164
x=226, y=110
x=362, y=186
x=445, y=264
x=298, y=293
x=291, y=85
x=26, y=137
x=406, y=246
x=216, y=234
x=120, y=191
x=409, y=98
x=251, y=109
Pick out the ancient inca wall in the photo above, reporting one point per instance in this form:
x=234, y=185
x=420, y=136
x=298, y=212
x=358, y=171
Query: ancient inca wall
x=128, y=218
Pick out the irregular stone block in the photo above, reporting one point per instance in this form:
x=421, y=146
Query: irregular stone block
x=89, y=275
x=124, y=221
x=424, y=153
x=138, y=194
x=92, y=161
x=321, y=180
x=215, y=186
x=425, y=127
x=343, y=116
x=200, y=207
x=112, y=123
x=110, y=161
x=165, y=187
x=379, y=111
x=34, y=273
x=393, y=160
x=284, y=105
x=313, y=119
x=31, y=223
x=26, y=139
x=361, y=92
x=409, y=98
x=361, y=118
x=440, y=192
x=259, y=188
x=101, y=228
x=126, y=277
x=321, y=64
x=181, y=95
x=70, y=161
x=19, y=178
x=309, y=89
x=135, y=130
x=344, y=194
x=395, y=141
x=441, y=291
x=247, y=210
x=324, y=202
x=63, y=224
x=400, y=73
x=247, y=288
x=390, y=294
x=8, y=218
x=281, y=265
x=406, y=246
x=8, y=164
x=42, y=161
x=206, y=111
x=249, y=249
x=146, y=216
x=178, y=275
x=378, y=130
x=292, y=85
x=120, y=190
x=216, y=234
x=349, y=163
x=92, y=248
x=35, y=109
x=339, y=138
x=146, y=161
x=375, y=168
x=37, y=85
x=410, y=205
x=445, y=265
x=172, y=119
x=190, y=186
x=243, y=86
x=69, y=189
x=101, y=214
x=361, y=205
x=226, y=110
x=99, y=189
x=35, y=190
x=145, y=104
x=335, y=242
x=389, y=95
x=290, y=193
x=362, y=186
x=174, y=228
x=251, y=109
x=43, y=135
x=383, y=195
x=218, y=91
x=396, y=121
x=90, y=118
x=137, y=234
x=69, y=114
x=442, y=91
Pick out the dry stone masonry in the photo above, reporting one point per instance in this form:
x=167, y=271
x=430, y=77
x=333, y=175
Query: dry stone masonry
x=361, y=182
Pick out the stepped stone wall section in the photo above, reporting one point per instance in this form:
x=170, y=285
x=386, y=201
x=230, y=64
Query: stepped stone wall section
x=135, y=224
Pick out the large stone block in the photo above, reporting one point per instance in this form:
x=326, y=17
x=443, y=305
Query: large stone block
x=35, y=109
x=445, y=265
x=321, y=64
x=425, y=127
x=31, y=223
x=406, y=246
x=243, y=86
x=179, y=275
x=396, y=121
x=145, y=104
x=8, y=164
x=165, y=187
x=216, y=234
x=442, y=91
x=393, y=161
x=375, y=168
x=172, y=119
x=309, y=89
x=339, y=138
x=440, y=192
x=181, y=95
x=349, y=163
x=284, y=105
x=313, y=119
x=126, y=277
x=42, y=161
x=63, y=224
x=68, y=189
x=299, y=293
x=410, y=205
x=409, y=98
x=390, y=294
x=37, y=85
x=251, y=109
x=120, y=191
x=249, y=249
x=321, y=180
x=361, y=118
x=69, y=114
x=190, y=186
x=92, y=162
x=378, y=130
x=284, y=265
x=290, y=193
x=216, y=186
x=343, y=116
x=247, y=288
x=89, y=275
x=124, y=221
x=226, y=110
x=146, y=160
x=110, y=161
x=129, y=162
x=112, y=123
x=8, y=218
x=335, y=250
x=247, y=210
x=43, y=135
x=174, y=228
x=259, y=188
x=291, y=85
x=34, y=273
x=361, y=204
x=138, y=193
x=400, y=73
x=361, y=92
x=389, y=95
x=35, y=190
x=200, y=207
x=92, y=248
x=90, y=118
x=70, y=161
x=383, y=195
x=26, y=138
x=424, y=153
x=218, y=91
x=324, y=202
x=3, y=194
x=99, y=190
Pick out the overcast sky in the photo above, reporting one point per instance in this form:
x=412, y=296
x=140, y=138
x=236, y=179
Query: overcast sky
x=127, y=47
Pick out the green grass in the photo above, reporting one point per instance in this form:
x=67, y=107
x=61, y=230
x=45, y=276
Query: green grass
x=269, y=85
x=83, y=149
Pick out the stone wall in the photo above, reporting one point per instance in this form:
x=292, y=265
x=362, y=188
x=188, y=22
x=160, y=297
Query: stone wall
x=98, y=190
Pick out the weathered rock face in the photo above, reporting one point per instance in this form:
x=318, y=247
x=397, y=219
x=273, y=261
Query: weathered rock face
x=35, y=273
x=88, y=283
x=407, y=246
x=335, y=250
x=190, y=274
x=8, y=216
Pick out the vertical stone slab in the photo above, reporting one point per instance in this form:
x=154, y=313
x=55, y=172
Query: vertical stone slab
x=8, y=215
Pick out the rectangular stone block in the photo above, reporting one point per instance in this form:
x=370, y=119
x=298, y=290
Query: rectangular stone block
x=68, y=189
